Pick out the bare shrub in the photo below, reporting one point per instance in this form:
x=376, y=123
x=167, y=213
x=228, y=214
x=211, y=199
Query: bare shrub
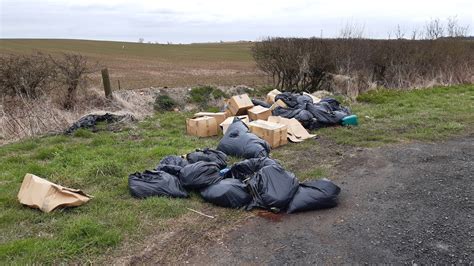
x=25, y=75
x=71, y=69
x=306, y=64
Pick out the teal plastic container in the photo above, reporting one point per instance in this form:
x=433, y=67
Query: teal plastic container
x=350, y=120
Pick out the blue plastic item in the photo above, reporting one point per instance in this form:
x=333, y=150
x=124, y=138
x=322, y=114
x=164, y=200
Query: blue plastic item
x=223, y=171
x=350, y=120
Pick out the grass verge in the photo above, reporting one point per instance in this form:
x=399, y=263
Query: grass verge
x=99, y=164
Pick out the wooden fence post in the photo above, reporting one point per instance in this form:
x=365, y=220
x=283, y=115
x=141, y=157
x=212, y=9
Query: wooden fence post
x=106, y=81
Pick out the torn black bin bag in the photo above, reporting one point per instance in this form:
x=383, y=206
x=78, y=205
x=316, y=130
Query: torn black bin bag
x=247, y=168
x=313, y=195
x=90, y=121
x=208, y=155
x=155, y=183
x=172, y=164
x=238, y=141
x=261, y=103
x=200, y=175
x=230, y=193
x=272, y=188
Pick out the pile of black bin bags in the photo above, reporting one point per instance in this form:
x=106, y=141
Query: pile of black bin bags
x=259, y=182
x=311, y=115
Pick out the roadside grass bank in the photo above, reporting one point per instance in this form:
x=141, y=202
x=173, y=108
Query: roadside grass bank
x=99, y=164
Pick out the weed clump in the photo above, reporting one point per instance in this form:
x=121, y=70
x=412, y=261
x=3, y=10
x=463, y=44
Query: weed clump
x=203, y=94
x=164, y=102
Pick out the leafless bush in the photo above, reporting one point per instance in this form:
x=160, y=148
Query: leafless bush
x=434, y=29
x=25, y=75
x=309, y=64
x=71, y=69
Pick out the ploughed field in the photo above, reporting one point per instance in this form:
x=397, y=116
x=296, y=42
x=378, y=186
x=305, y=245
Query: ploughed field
x=140, y=65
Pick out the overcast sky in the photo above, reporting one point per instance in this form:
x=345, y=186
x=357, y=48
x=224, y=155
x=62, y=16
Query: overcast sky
x=183, y=21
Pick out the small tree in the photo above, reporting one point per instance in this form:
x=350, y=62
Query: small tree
x=72, y=68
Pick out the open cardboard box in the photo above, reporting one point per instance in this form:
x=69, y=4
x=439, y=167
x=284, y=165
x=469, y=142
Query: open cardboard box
x=275, y=134
x=220, y=116
x=259, y=113
x=204, y=126
x=296, y=132
x=239, y=104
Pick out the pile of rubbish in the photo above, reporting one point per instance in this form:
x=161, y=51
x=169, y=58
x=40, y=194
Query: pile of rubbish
x=251, y=129
x=281, y=117
x=257, y=182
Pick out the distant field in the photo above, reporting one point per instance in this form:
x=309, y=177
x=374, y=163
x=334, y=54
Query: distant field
x=143, y=65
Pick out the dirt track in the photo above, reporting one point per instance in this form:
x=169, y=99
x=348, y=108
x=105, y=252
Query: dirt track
x=409, y=203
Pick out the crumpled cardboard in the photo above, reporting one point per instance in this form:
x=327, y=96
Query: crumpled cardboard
x=296, y=132
x=39, y=193
x=204, y=126
x=275, y=134
x=225, y=125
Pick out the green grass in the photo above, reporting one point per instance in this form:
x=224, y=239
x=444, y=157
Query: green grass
x=390, y=116
x=99, y=164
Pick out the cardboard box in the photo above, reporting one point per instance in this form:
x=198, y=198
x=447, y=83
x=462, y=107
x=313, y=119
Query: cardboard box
x=295, y=131
x=239, y=104
x=275, y=134
x=271, y=96
x=202, y=126
x=259, y=113
x=224, y=125
x=315, y=99
x=39, y=193
x=220, y=117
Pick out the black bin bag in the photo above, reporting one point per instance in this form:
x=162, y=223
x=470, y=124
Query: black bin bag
x=200, y=175
x=313, y=195
x=247, y=168
x=239, y=142
x=208, y=155
x=272, y=188
x=155, y=183
x=229, y=192
x=172, y=164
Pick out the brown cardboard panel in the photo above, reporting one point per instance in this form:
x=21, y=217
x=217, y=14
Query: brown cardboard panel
x=39, y=193
x=271, y=96
x=202, y=126
x=239, y=104
x=275, y=134
x=224, y=125
x=296, y=131
x=259, y=113
x=278, y=103
x=220, y=116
